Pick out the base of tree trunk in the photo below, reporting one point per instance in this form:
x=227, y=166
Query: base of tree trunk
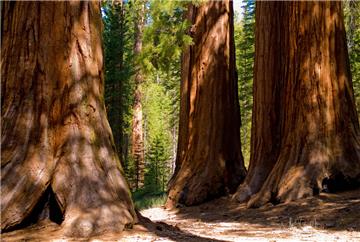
x=312, y=141
x=209, y=162
x=283, y=191
x=243, y=193
x=194, y=190
x=83, y=205
x=58, y=158
x=304, y=181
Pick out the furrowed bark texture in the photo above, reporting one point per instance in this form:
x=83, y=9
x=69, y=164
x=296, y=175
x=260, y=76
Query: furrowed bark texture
x=55, y=135
x=314, y=140
x=209, y=160
x=268, y=81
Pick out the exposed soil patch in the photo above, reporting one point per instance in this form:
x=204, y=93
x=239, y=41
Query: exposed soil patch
x=327, y=217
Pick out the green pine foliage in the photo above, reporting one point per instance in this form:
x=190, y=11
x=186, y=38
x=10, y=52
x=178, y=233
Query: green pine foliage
x=157, y=166
x=244, y=33
x=118, y=37
x=163, y=40
x=158, y=120
x=144, y=199
x=352, y=25
x=164, y=36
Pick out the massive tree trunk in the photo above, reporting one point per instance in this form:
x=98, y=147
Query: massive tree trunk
x=137, y=134
x=56, y=140
x=209, y=160
x=313, y=141
x=268, y=81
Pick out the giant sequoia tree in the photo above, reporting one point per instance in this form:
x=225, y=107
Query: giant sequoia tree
x=209, y=159
x=305, y=133
x=56, y=142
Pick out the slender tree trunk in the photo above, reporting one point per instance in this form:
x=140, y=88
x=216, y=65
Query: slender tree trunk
x=209, y=160
x=314, y=144
x=55, y=135
x=137, y=139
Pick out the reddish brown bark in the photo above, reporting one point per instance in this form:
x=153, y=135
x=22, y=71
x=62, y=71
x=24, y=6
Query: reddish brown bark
x=268, y=81
x=55, y=135
x=209, y=160
x=314, y=141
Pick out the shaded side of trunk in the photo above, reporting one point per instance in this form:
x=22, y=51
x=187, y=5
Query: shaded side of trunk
x=184, y=99
x=55, y=135
x=209, y=154
x=268, y=82
x=319, y=144
x=137, y=134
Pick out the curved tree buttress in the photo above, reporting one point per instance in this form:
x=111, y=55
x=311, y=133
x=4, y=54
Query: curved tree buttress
x=305, y=135
x=209, y=161
x=56, y=140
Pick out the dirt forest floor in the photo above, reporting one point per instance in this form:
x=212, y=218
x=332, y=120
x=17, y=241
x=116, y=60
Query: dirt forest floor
x=327, y=217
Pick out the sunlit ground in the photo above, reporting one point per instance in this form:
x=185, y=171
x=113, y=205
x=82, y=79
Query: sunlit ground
x=328, y=217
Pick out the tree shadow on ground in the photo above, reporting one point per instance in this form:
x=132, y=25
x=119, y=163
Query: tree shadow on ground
x=144, y=230
x=334, y=212
x=329, y=212
x=171, y=232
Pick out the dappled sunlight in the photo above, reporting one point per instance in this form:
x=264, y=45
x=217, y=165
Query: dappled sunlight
x=209, y=169
x=224, y=219
x=64, y=176
x=67, y=145
x=316, y=117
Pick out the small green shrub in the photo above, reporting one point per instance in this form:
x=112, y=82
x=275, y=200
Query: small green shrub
x=144, y=199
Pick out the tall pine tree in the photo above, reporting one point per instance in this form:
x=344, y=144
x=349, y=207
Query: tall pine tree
x=245, y=48
x=118, y=43
x=352, y=24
